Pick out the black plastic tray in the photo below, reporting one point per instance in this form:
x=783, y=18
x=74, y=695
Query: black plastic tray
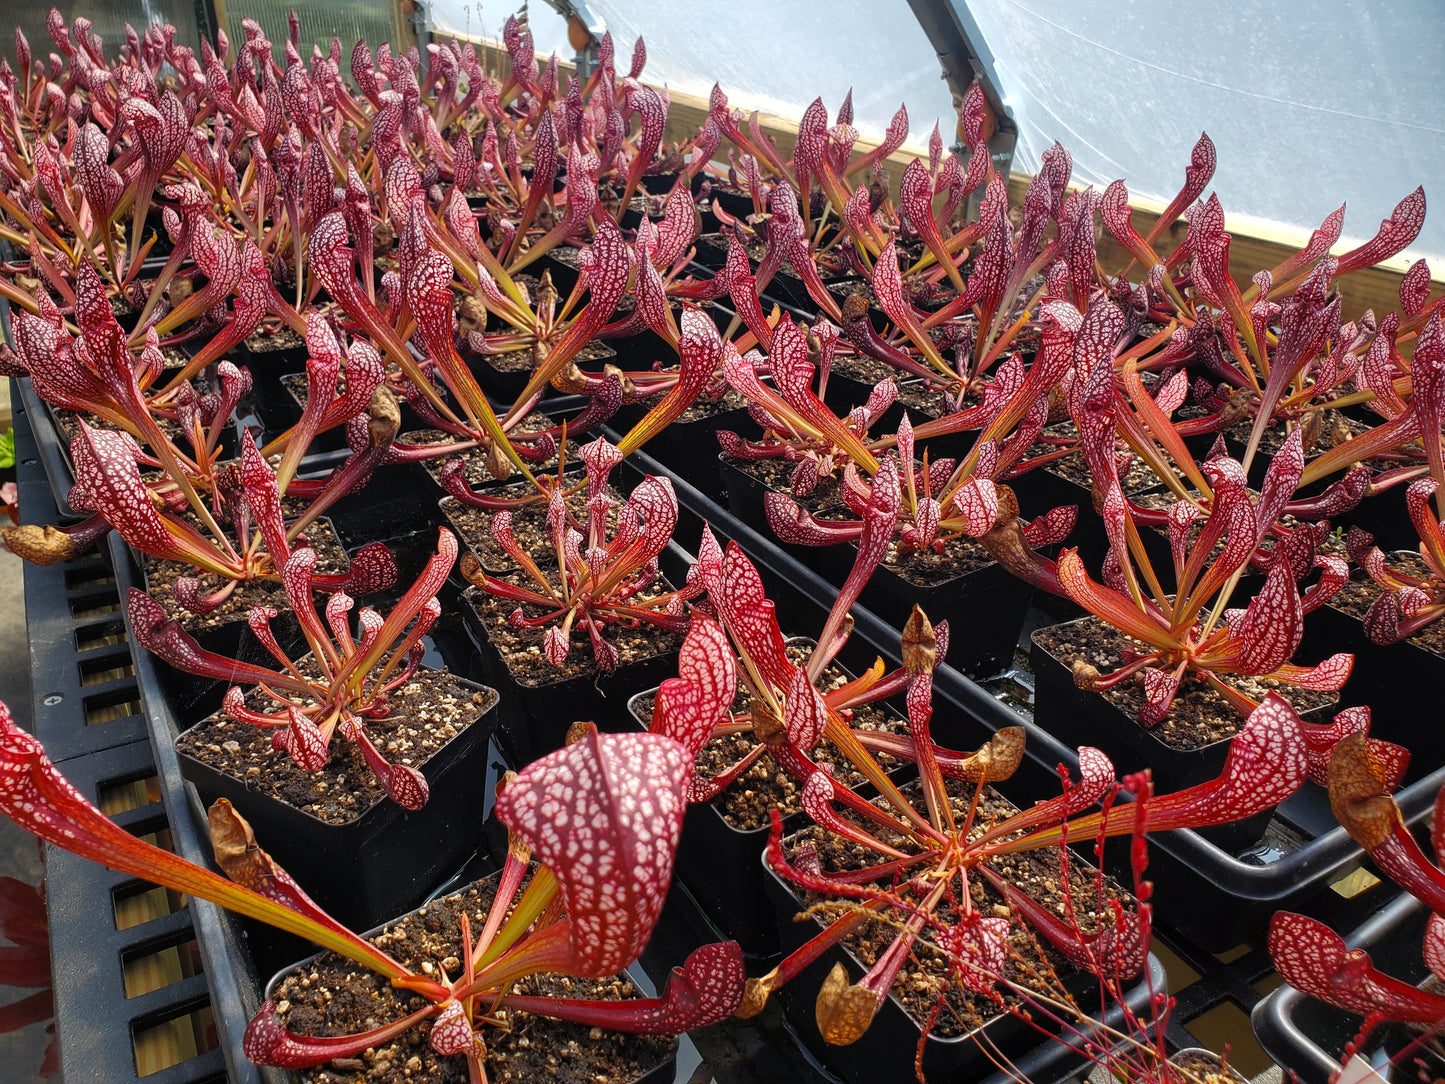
x=1218, y=898
x=74, y=619
x=1308, y=1037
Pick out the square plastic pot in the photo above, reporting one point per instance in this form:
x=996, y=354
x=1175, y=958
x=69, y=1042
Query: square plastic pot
x=385, y=860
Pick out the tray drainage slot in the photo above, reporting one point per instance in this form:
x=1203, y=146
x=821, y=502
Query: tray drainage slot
x=159, y=1044
x=155, y=967
x=111, y=706
x=109, y=668
x=140, y=902
x=1354, y=883
x=79, y=578
x=104, y=634
x=88, y=606
x=119, y=796
x=1228, y=1023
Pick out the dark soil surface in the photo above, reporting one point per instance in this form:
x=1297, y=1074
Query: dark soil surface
x=474, y=460
x=864, y=370
x=777, y=475
x=924, y=568
x=529, y=525
x=1199, y=715
x=426, y=713
x=160, y=577
x=747, y=802
x=1076, y=469
x=282, y=338
x=708, y=406
x=333, y=996
x=1357, y=596
x=924, y=977
x=1335, y=428
x=523, y=361
x=521, y=649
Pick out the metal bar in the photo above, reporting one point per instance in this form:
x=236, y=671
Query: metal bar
x=965, y=57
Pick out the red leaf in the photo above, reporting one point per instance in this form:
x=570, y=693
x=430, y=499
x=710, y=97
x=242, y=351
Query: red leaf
x=1159, y=690
x=798, y=527
x=604, y=814
x=162, y=636
x=1415, y=288
x=1313, y=959
x=804, y=713
x=689, y=706
x=451, y=1032
x=1119, y=951
x=977, y=502
x=1267, y=763
x=1320, y=742
x=1433, y=948
x=105, y=466
x=1395, y=234
x=1329, y=676
x=706, y=989
x=1052, y=527
x=266, y=1042
x=1267, y=635
x=748, y=614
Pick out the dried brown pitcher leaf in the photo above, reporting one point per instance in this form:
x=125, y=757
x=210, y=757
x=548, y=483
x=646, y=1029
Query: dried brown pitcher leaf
x=920, y=646
x=39, y=545
x=1359, y=796
x=844, y=1011
x=235, y=847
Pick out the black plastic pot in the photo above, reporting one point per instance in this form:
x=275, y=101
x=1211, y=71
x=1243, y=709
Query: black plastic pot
x=535, y=715
x=688, y=447
x=1216, y=896
x=981, y=647
x=734, y=901
x=1309, y=1037
x=661, y=1073
x=886, y=1051
x=1083, y=717
x=1386, y=676
x=978, y=647
x=387, y=858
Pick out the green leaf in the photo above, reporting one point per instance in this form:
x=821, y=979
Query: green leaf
x=7, y=449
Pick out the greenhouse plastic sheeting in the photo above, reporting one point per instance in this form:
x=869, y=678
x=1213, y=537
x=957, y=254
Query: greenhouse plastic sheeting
x=108, y=19
x=766, y=55
x=1309, y=106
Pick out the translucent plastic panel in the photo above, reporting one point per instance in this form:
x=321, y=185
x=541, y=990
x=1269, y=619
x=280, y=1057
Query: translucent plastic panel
x=109, y=18
x=1310, y=104
x=350, y=20
x=766, y=55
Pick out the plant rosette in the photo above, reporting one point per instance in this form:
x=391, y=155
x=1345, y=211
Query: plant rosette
x=358, y=854
x=730, y=830
x=327, y=994
x=1186, y=747
x=962, y=1023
